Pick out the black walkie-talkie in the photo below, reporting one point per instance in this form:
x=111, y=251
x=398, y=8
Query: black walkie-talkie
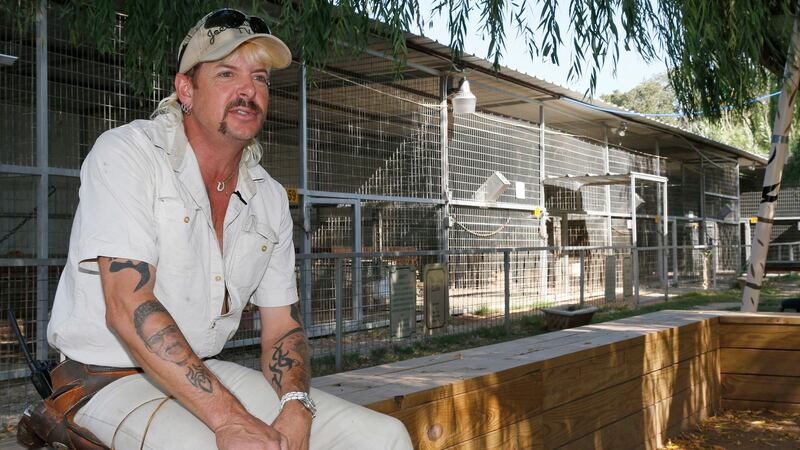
x=40, y=373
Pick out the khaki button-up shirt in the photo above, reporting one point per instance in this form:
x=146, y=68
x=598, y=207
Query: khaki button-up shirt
x=142, y=198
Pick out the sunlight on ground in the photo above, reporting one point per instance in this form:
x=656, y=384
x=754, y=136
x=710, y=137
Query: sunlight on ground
x=740, y=430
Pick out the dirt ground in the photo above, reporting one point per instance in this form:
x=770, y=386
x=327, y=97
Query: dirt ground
x=742, y=430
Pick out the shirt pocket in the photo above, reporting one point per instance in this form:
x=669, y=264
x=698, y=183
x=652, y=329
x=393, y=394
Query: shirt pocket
x=176, y=225
x=251, y=256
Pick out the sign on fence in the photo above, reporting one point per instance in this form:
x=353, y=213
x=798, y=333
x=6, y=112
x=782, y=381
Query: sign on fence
x=402, y=300
x=437, y=306
x=611, y=278
x=627, y=276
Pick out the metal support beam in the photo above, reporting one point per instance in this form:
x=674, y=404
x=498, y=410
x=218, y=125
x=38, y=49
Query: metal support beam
x=306, y=277
x=443, y=143
x=634, y=250
x=607, y=189
x=42, y=206
x=543, y=273
x=358, y=311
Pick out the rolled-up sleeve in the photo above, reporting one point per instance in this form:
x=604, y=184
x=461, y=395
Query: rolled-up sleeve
x=116, y=202
x=278, y=287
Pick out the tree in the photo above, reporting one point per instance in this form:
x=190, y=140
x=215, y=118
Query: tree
x=719, y=54
x=748, y=130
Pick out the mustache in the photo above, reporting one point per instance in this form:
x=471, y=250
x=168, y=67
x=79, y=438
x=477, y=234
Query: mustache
x=243, y=103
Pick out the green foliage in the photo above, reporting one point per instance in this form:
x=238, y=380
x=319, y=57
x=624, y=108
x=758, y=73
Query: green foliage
x=749, y=129
x=720, y=53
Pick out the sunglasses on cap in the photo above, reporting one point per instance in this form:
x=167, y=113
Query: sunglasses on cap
x=230, y=18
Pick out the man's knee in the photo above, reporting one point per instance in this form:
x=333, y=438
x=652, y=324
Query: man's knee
x=396, y=434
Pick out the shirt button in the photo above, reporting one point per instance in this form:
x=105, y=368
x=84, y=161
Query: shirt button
x=263, y=248
x=217, y=278
x=186, y=219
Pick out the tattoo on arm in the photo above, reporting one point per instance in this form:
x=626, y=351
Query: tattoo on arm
x=198, y=377
x=295, y=312
x=142, y=267
x=293, y=341
x=167, y=342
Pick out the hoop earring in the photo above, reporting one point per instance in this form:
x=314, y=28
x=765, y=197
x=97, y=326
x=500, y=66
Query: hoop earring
x=187, y=110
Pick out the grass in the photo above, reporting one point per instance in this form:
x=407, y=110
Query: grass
x=532, y=325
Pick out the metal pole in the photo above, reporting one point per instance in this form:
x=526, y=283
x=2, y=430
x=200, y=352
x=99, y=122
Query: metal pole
x=306, y=281
x=507, y=289
x=635, y=252
x=607, y=188
x=661, y=207
x=338, y=313
x=358, y=312
x=543, y=272
x=772, y=178
x=583, y=281
x=42, y=207
x=665, y=230
x=443, y=143
x=675, y=251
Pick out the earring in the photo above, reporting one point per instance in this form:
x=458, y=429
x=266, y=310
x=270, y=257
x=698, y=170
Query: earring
x=187, y=110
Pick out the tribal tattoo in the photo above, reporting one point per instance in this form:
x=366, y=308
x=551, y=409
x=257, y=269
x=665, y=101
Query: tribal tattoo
x=295, y=312
x=292, y=343
x=198, y=377
x=280, y=361
x=142, y=267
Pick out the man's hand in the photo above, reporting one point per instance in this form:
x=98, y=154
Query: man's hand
x=294, y=422
x=249, y=433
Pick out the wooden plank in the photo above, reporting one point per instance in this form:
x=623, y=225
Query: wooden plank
x=522, y=435
x=760, y=318
x=750, y=405
x=760, y=362
x=449, y=421
x=655, y=352
x=649, y=427
x=583, y=416
x=761, y=388
x=683, y=404
x=773, y=337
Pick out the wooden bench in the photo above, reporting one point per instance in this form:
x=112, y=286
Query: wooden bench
x=623, y=384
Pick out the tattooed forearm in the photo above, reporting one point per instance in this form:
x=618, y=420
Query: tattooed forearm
x=160, y=334
x=198, y=377
x=280, y=361
x=290, y=357
x=142, y=267
x=295, y=312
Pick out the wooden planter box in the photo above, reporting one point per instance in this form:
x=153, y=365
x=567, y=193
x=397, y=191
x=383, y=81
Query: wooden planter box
x=560, y=319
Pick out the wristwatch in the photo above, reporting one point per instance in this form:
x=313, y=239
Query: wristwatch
x=303, y=398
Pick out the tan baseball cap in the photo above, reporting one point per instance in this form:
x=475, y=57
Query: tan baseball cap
x=219, y=33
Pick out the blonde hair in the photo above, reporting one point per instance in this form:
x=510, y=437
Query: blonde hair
x=171, y=105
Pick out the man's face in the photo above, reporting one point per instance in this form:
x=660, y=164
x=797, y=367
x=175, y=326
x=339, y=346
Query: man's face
x=230, y=97
x=166, y=342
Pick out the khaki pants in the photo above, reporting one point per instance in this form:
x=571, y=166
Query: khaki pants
x=119, y=415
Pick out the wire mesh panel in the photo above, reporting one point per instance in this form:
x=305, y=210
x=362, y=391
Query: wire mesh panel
x=18, y=215
x=494, y=228
x=396, y=226
x=481, y=144
x=373, y=137
x=280, y=135
x=17, y=96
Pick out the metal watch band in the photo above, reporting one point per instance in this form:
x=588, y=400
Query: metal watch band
x=303, y=398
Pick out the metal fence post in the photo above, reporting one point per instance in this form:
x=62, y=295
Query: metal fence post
x=583, y=278
x=507, y=288
x=338, y=288
x=714, y=263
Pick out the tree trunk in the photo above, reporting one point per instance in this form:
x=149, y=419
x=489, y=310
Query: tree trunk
x=772, y=179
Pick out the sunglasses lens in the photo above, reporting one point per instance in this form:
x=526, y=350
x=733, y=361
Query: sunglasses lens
x=228, y=18
x=258, y=25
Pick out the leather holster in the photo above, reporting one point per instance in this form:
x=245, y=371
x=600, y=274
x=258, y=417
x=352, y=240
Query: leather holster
x=51, y=421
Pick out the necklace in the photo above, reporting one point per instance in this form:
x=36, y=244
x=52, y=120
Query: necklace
x=221, y=184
